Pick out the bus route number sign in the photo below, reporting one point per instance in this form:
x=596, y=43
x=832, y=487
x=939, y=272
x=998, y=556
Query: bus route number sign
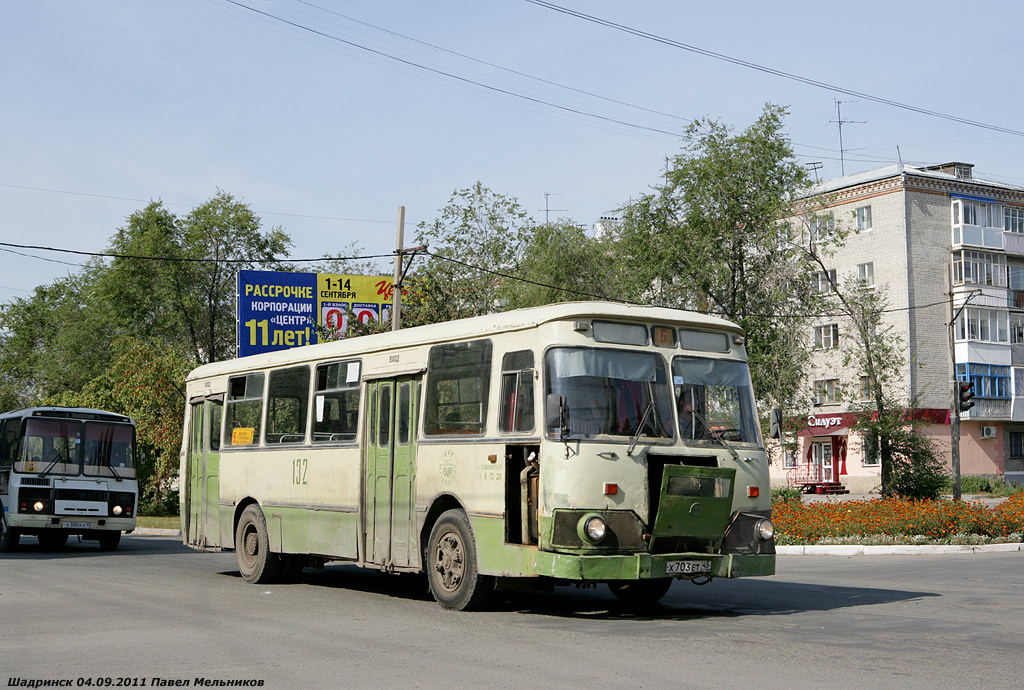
x=687, y=567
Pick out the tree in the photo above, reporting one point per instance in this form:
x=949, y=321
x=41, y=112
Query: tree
x=478, y=228
x=561, y=263
x=714, y=237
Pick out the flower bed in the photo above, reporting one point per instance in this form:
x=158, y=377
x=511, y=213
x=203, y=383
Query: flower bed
x=898, y=521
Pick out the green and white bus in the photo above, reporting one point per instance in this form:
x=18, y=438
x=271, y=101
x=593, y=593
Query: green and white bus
x=573, y=443
x=66, y=471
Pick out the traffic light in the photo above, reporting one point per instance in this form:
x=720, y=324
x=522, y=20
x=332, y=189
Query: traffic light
x=965, y=390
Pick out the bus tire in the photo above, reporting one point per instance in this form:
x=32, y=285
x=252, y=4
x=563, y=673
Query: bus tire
x=452, y=573
x=9, y=537
x=109, y=540
x=640, y=592
x=252, y=545
x=50, y=539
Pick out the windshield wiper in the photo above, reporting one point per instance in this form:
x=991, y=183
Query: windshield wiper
x=56, y=457
x=716, y=435
x=105, y=462
x=643, y=420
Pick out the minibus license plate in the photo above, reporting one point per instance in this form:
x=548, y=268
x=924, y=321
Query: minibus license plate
x=687, y=567
x=77, y=525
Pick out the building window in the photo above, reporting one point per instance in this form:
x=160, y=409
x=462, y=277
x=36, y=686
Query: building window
x=1013, y=219
x=863, y=218
x=872, y=452
x=1016, y=444
x=866, y=274
x=865, y=389
x=824, y=281
x=986, y=325
x=1017, y=329
x=979, y=268
x=826, y=337
x=826, y=391
x=990, y=380
x=977, y=223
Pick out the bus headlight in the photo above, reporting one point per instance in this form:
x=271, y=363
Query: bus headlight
x=38, y=506
x=765, y=529
x=593, y=528
x=117, y=510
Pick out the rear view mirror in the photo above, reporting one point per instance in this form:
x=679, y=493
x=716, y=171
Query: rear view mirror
x=775, y=423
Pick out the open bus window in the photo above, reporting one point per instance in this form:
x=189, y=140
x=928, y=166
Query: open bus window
x=109, y=450
x=51, y=445
x=714, y=395
x=608, y=392
x=458, y=381
x=244, y=410
x=287, y=405
x=516, y=414
x=336, y=402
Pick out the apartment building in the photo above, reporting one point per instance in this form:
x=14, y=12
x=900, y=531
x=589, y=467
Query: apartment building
x=919, y=232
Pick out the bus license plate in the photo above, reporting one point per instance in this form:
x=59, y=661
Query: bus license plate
x=687, y=567
x=77, y=525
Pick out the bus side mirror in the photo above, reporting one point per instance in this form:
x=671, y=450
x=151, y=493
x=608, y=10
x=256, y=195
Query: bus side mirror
x=556, y=414
x=775, y=423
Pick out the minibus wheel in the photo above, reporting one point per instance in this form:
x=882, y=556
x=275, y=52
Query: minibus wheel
x=451, y=564
x=9, y=537
x=109, y=540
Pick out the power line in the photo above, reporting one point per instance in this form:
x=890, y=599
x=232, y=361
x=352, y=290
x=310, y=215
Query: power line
x=571, y=291
x=769, y=70
x=450, y=75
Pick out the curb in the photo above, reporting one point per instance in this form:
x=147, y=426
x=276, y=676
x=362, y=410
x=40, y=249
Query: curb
x=154, y=530
x=895, y=549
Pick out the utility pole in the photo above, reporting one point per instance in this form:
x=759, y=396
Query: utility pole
x=840, y=121
x=954, y=408
x=400, y=271
x=396, y=284
x=547, y=209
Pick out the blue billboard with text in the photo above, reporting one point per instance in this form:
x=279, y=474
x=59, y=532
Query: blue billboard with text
x=276, y=311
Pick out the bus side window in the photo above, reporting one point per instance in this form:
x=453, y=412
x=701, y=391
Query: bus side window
x=458, y=382
x=336, y=402
x=517, y=376
x=287, y=405
x=244, y=410
x=216, y=412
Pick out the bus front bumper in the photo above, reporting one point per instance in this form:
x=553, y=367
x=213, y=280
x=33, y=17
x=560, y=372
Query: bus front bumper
x=644, y=566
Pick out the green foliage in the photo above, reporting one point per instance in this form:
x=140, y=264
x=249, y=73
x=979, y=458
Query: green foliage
x=713, y=238
x=477, y=228
x=914, y=468
x=982, y=484
x=785, y=494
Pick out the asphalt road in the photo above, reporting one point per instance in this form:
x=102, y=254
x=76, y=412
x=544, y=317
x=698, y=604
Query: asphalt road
x=156, y=610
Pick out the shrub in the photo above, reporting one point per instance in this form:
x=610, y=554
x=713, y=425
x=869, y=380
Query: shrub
x=781, y=494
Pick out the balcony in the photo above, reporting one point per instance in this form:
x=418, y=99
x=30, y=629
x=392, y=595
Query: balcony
x=978, y=236
x=1013, y=242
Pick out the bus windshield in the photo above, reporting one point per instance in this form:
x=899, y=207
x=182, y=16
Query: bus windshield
x=608, y=392
x=714, y=399
x=51, y=446
x=56, y=446
x=108, y=450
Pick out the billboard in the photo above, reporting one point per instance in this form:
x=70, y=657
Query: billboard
x=278, y=310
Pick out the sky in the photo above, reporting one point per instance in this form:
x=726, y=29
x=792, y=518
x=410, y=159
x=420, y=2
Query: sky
x=325, y=116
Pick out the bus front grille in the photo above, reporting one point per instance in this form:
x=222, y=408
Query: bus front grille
x=700, y=487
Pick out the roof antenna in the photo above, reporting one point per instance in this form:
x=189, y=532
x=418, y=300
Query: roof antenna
x=899, y=155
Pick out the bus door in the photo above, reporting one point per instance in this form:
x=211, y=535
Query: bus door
x=203, y=482
x=389, y=501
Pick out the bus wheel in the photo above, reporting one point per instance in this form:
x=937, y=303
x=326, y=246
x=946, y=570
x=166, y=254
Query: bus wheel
x=50, y=539
x=451, y=564
x=9, y=537
x=109, y=540
x=640, y=592
x=252, y=545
